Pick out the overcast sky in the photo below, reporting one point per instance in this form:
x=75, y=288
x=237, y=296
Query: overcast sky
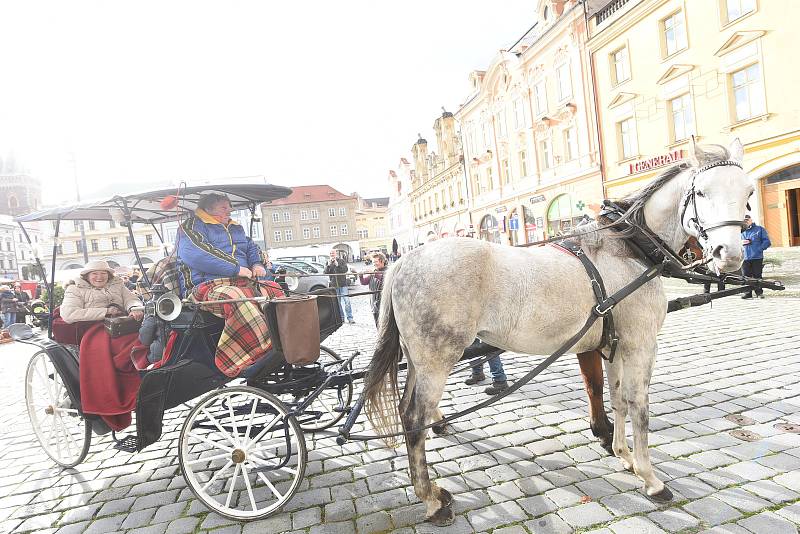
x=301, y=92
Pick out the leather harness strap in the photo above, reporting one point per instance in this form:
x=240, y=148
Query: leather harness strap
x=609, y=338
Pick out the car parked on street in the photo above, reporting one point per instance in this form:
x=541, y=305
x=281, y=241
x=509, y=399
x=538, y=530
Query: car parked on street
x=305, y=283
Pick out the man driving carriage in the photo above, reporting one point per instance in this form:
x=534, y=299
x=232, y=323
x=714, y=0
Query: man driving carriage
x=217, y=261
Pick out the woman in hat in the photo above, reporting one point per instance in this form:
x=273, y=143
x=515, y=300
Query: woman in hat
x=98, y=294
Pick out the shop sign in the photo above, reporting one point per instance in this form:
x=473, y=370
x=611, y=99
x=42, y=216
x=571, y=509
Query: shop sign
x=537, y=198
x=501, y=209
x=514, y=222
x=539, y=222
x=655, y=162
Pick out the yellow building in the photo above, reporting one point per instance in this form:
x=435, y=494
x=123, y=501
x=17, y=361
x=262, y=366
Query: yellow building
x=372, y=225
x=438, y=195
x=717, y=69
x=529, y=132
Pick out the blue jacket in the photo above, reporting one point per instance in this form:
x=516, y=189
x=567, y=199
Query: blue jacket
x=759, y=242
x=208, y=249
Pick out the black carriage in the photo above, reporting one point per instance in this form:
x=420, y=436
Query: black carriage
x=241, y=449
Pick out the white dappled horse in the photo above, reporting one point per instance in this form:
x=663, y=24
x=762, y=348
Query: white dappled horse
x=439, y=297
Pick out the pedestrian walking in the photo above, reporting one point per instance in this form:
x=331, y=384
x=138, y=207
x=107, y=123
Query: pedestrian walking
x=8, y=305
x=499, y=380
x=336, y=267
x=374, y=279
x=22, y=303
x=755, y=241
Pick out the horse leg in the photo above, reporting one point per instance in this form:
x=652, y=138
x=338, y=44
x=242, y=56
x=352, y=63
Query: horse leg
x=439, y=430
x=619, y=403
x=422, y=405
x=636, y=383
x=592, y=372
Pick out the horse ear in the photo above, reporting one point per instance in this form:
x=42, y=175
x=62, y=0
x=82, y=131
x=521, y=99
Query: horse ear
x=737, y=150
x=695, y=154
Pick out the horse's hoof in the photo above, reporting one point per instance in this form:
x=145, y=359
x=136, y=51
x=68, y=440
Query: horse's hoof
x=608, y=446
x=443, y=517
x=439, y=430
x=445, y=497
x=665, y=495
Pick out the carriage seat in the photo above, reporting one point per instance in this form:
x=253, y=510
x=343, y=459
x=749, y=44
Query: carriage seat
x=68, y=333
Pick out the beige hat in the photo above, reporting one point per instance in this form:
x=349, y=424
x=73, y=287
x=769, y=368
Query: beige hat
x=99, y=265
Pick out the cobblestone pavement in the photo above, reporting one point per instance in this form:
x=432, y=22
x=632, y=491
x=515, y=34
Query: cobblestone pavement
x=527, y=464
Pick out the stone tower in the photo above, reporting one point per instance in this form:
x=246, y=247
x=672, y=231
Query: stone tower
x=420, y=153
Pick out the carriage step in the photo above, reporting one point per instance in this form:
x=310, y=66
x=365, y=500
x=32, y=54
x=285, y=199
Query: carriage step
x=127, y=444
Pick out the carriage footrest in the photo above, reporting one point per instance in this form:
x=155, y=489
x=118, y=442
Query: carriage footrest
x=127, y=444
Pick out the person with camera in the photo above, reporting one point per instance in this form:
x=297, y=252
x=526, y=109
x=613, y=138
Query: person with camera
x=337, y=268
x=374, y=278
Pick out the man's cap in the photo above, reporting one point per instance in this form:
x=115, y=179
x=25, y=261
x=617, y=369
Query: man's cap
x=747, y=217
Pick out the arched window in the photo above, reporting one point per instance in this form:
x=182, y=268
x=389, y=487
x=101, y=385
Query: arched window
x=13, y=201
x=562, y=215
x=489, y=230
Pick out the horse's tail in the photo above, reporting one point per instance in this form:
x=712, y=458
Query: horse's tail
x=381, y=392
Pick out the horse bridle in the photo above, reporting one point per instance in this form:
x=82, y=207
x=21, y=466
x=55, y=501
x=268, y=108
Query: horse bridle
x=691, y=198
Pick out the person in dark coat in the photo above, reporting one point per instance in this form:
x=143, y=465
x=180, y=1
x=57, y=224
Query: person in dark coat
x=337, y=266
x=755, y=241
x=22, y=302
x=8, y=305
x=374, y=279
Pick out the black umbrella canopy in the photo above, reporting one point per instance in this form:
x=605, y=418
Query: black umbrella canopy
x=146, y=206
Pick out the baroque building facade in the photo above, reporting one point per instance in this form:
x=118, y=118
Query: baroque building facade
x=530, y=135
x=372, y=225
x=401, y=218
x=438, y=196
x=668, y=69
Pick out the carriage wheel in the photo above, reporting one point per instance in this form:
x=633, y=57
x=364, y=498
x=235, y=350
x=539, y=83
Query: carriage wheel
x=241, y=452
x=322, y=413
x=61, y=429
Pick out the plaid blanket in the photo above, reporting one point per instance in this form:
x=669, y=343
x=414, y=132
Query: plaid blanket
x=245, y=338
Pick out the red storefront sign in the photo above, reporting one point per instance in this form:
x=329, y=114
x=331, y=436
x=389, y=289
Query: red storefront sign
x=655, y=162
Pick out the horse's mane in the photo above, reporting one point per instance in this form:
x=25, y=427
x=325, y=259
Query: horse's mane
x=633, y=204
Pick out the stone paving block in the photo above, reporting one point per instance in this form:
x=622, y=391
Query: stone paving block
x=372, y=523
x=772, y=491
x=674, y=519
x=342, y=527
x=72, y=528
x=381, y=501
x=106, y=524
x=305, y=518
x=691, y=487
x=496, y=515
x=349, y=491
x=139, y=518
x=168, y=512
x=184, y=525
x=566, y=496
x=545, y=446
x=472, y=500
x=537, y=505
x=82, y=513
x=628, y=503
x=549, y=524
x=768, y=522
x=790, y=480
x=502, y=473
x=516, y=529
x=407, y=515
x=749, y=470
x=214, y=520
x=564, y=477
x=596, y=488
x=277, y=523
x=711, y=459
x=790, y=512
x=504, y=492
x=781, y=462
x=585, y=515
x=712, y=511
x=39, y=523
x=116, y=507
x=635, y=525
x=478, y=480
x=460, y=526
x=742, y=499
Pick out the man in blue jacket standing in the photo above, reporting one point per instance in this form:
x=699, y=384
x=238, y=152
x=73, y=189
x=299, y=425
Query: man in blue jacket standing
x=755, y=241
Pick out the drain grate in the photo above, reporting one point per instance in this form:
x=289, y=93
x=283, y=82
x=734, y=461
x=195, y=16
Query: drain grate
x=740, y=419
x=744, y=435
x=791, y=428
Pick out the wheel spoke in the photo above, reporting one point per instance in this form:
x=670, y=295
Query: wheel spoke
x=264, y=463
x=208, y=458
x=218, y=473
x=45, y=383
x=263, y=432
x=209, y=442
x=233, y=420
x=233, y=483
x=250, y=420
x=249, y=488
x=269, y=484
x=219, y=427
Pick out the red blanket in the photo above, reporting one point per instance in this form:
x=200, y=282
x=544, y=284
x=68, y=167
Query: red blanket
x=109, y=381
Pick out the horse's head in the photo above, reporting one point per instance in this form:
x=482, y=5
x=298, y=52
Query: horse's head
x=715, y=202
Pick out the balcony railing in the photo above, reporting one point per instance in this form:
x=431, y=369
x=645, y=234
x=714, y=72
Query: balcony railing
x=609, y=10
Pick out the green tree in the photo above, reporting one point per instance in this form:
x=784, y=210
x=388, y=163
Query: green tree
x=58, y=295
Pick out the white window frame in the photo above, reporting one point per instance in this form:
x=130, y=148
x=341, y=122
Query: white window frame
x=518, y=107
x=306, y=233
x=546, y=148
x=331, y=212
x=314, y=215
x=564, y=79
x=540, y=97
x=675, y=23
x=628, y=141
x=620, y=65
x=334, y=230
x=522, y=157
x=681, y=114
x=287, y=216
x=726, y=6
x=343, y=229
x=303, y=215
x=752, y=87
x=571, y=143
x=287, y=234
x=276, y=217
x=276, y=236
x=316, y=232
